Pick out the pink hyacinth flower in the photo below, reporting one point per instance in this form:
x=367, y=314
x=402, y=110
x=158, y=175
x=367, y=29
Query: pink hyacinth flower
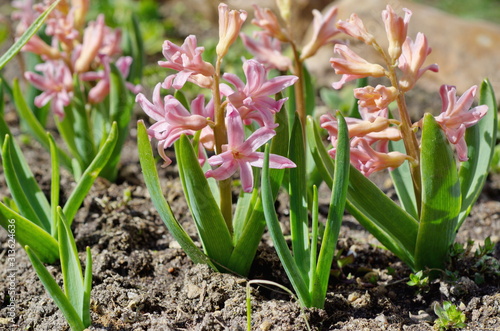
x=62, y=27
x=267, y=50
x=354, y=27
x=352, y=66
x=92, y=42
x=267, y=21
x=230, y=22
x=396, y=28
x=324, y=32
x=456, y=116
x=411, y=60
x=172, y=120
x=367, y=160
x=56, y=83
x=241, y=154
x=187, y=60
x=102, y=88
x=373, y=101
x=252, y=100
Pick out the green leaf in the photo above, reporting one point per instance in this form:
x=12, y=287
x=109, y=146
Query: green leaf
x=70, y=265
x=81, y=126
x=55, y=292
x=335, y=214
x=26, y=36
x=299, y=226
x=89, y=176
x=153, y=184
x=391, y=225
x=135, y=49
x=441, y=197
x=120, y=112
x=251, y=233
x=28, y=233
x=207, y=216
x=22, y=185
x=35, y=127
x=54, y=187
x=87, y=288
x=481, y=139
x=289, y=263
x=403, y=184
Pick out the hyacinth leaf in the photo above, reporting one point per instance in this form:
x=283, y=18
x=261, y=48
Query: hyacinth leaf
x=322, y=159
x=55, y=292
x=148, y=166
x=81, y=126
x=299, y=226
x=89, y=176
x=135, y=48
x=335, y=214
x=214, y=234
x=28, y=233
x=65, y=129
x=244, y=206
x=389, y=223
x=54, y=186
x=25, y=191
x=35, y=127
x=289, y=263
x=70, y=265
x=441, y=197
x=87, y=288
x=403, y=184
x=481, y=140
x=26, y=36
x=248, y=238
x=120, y=112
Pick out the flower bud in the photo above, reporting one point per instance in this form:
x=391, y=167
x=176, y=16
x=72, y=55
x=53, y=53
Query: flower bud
x=230, y=22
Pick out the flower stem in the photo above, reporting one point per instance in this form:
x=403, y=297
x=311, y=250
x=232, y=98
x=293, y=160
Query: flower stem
x=299, y=87
x=220, y=136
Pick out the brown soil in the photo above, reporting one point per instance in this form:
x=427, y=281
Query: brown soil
x=144, y=281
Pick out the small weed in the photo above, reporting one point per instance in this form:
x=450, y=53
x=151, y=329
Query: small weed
x=420, y=280
x=449, y=317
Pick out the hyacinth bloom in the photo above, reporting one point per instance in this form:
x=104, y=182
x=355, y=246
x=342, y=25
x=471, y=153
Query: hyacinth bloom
x=373, y=100
x=324, y=32
x=102, y=88
x=56, y=84
x=456, y=116
x=187, y=60
x=92, y=41
x=62, y=27
x=26, y=14
x=412, y=59
x=172, y=120
x=354, y=27
x=111, y=42
x=396, y=28
x=353, y=66
x=266, y=20
x=81, y=8
x=38, y=46
x=367, y=160
x=230, y=22
x=267, y=50
x=242, y=154
x=252, y=100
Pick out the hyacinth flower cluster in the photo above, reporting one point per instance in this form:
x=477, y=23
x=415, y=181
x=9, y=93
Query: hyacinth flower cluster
x=219, y=146
x=78, y=71
x=435, y=194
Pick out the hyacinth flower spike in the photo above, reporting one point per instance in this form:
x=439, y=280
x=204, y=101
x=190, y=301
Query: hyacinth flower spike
x=242, y=154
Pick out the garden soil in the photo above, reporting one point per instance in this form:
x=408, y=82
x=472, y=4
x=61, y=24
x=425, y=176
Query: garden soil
x=142, y=280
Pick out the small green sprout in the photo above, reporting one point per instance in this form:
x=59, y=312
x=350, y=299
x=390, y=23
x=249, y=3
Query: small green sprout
x=419, y=280
x=449, y=317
